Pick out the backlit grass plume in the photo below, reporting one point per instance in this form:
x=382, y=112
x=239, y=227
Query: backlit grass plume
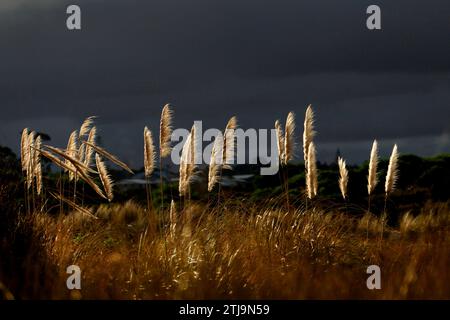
x=372, y=178
x=149, y=153
x=72, y=151
x=229, y=141
x=165, y=131
x=192, y=153
x=104, y=177
x=89, y=151
x=392, y=173
x=308, y=133
x=311, y=172
x=86, y=127
x=343, y=179
x=182, y=183
x=390, y=183
x=187, y=163
x=289, y=142
x=215, y=163
x=76, y=167
x=24, y=150
x=37, y=171
x=109, y=156
x=72, y=164
x=30, y=164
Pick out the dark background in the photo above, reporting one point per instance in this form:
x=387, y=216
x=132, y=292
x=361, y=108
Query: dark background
x=213, y=59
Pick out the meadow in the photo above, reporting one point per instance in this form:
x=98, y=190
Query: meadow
x=236, y=251
x=173, y=244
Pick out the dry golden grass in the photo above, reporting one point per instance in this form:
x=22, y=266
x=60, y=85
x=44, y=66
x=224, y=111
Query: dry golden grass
x=242, y=251
x=233, y=249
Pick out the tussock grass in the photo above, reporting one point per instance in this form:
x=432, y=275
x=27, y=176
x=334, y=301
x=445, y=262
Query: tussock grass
x=233, y=248
x=244, y=251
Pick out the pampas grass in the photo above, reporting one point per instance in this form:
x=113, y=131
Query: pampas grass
x=165, y=131
x=25, y=162
x=37, y=170
x=392, y=173
x=149, y=153
x=75, y=160
x=109, y=156
x=72, y=165
x=85, y=132
x=222, y=154
x=86, y=127
x=390, y=183
x=24, y=150
x=229, y=141
x=80, y=170
x=215, y=163
x=227, y=244
x=308, y=133
x=187, y=163
x=228, y=149
x=289, y=142
x=30, y=155
x=191, y=164
x=104, y=177
x=182, y=180
x=25, y=159
x=149, y=164
x=55, y=160
x=286, y=149
x=372, y=178
x=72, y=151
x=311, y=172
x=343, y=179
x=89, y=151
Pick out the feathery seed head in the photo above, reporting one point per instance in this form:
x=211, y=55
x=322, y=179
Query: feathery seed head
x=37, y=165
x=343, y=179
x=372, y=179
x=104, y=177
x=311, y=173
x=308, y=132
x=24, y=149
x=392, y=173
x=229, y=143
x=215, y=162
x=86, y=126
x=89, y=151
x=289, y=142
x=165, y=131
x=149, y=153
x=72, y=151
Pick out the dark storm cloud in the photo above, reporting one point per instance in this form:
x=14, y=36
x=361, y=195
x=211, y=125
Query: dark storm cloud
x=212, y=59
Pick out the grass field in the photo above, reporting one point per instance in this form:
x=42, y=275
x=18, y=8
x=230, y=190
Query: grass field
x=292, y=244
x=237, y=251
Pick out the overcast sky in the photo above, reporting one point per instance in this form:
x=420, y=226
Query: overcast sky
x=255, y=59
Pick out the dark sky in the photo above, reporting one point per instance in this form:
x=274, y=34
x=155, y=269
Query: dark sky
x=255, y=59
